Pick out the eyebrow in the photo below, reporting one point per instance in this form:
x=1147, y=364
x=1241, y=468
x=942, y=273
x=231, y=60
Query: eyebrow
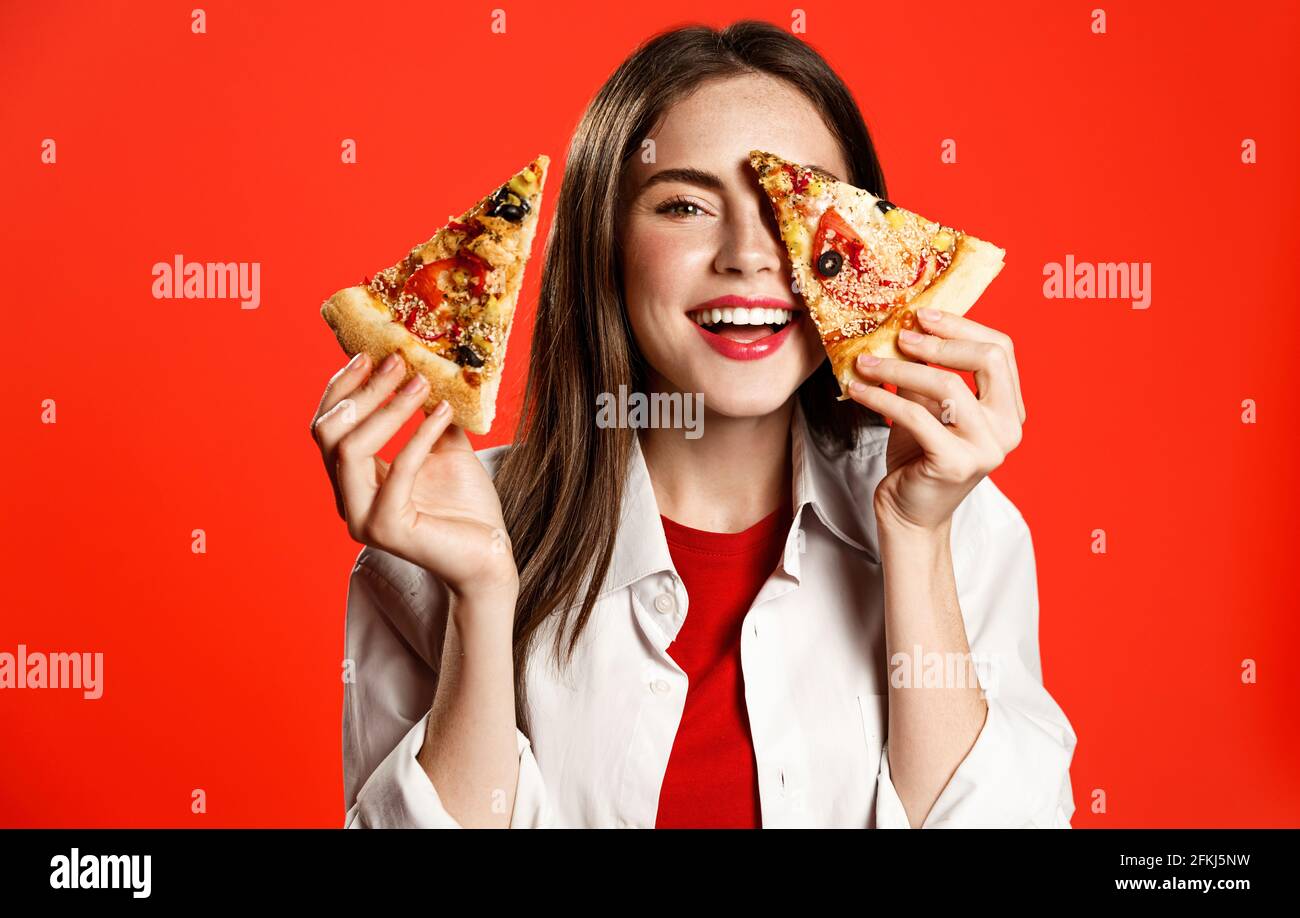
x=689, y=176
x=693, y=176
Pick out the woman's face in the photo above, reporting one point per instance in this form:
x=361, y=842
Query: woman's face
x=698, y=234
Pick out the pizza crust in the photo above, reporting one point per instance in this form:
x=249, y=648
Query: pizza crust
x=974, y=265
x=362, y=322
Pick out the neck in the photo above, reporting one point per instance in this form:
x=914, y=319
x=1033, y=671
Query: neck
x=728, y=479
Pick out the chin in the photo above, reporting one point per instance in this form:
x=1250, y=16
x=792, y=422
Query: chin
x=735, y=388
x=748, y=402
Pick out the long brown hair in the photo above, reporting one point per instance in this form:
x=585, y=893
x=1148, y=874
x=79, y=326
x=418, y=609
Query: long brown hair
x=561, y=483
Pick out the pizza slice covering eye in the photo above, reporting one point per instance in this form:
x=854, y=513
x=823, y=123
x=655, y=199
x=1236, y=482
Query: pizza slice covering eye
x=864, y=266
x=448, y=306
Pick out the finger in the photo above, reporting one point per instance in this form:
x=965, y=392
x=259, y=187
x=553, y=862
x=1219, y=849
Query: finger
x=948, y=325
x=357, y=403
x=341, y=384
x=377, y=428
x=395, y=493
x=930, y=404
x=337, y=407
x=381, y=471
x=455, y=439
x=347, y=406
x=934, y=382
x=356, y=451
x=916, y=419
x=988, y=361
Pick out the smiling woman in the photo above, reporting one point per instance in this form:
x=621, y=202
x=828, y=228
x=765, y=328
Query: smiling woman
x=688, y=230
x=629, y=626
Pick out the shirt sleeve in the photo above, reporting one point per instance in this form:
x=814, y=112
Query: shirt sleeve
x=396, y=623
x=1017, y=773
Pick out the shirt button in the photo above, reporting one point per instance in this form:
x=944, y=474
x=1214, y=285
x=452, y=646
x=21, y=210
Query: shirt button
x=664, y=603
x=660, y=687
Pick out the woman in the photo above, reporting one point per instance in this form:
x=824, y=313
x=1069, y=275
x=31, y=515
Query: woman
x=518, y=620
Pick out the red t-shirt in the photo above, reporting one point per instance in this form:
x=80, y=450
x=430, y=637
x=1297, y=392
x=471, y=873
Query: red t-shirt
x=712, y=779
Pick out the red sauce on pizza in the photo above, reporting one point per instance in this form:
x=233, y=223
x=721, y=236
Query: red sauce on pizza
x=797, y=178
x=423, y=286
x=853, y=279
x=469, y=229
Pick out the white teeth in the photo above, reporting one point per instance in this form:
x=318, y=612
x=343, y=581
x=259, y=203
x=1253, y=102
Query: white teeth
x=741, y=315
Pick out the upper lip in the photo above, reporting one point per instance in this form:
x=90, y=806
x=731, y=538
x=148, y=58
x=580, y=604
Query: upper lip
x=731, y=301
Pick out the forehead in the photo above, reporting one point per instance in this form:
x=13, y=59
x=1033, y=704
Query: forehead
x=716, y=126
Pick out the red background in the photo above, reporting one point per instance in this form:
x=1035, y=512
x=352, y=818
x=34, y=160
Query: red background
x=222, y=670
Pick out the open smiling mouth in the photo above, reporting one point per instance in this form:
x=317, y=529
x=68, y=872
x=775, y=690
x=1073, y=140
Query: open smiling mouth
x=744, y=334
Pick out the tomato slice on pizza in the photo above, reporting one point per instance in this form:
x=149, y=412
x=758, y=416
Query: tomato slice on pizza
x=448, y=306
x=863, y=265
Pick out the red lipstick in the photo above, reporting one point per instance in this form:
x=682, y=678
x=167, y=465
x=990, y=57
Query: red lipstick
x=747, y=350
x=746, y=341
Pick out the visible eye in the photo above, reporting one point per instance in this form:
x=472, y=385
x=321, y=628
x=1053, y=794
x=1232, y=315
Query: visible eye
x=675, y=207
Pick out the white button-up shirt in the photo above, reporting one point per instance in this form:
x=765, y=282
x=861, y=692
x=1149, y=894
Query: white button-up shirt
x=812, y=653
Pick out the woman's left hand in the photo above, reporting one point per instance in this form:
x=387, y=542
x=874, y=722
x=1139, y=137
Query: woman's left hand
x=944, y=438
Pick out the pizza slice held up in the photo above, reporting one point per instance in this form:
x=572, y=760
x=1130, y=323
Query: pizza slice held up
x=864, y=266
x=448, y=306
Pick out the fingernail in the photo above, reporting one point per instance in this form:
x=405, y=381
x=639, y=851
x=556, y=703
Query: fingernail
x=356, y=360
x=930, y=315
x=909, y=336
x=389, y=362
x=444, y=407
x=868, y=360
x=414, y=385
x=856, y=386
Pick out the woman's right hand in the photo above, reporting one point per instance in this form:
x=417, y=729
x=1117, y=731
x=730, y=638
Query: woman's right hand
x=435, y=506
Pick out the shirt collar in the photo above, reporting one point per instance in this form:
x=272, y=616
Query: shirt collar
x=839, y=486
x=835, y=489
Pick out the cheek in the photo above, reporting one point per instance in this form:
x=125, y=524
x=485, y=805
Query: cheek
x=661, y=268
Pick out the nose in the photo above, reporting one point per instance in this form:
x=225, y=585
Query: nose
x=750, y=243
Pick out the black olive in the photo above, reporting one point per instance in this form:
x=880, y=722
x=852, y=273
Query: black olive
x=503, y=204
x=830, y=262
x=467, y=355
x=513, y=199
x=885, y=206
